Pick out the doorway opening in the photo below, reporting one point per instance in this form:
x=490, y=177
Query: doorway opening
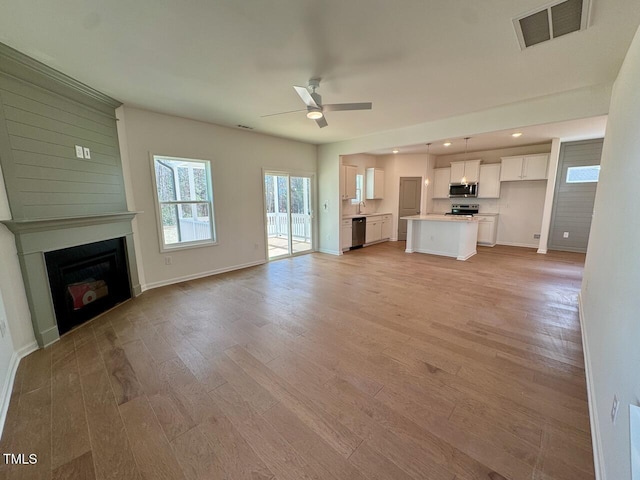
x=289, y=214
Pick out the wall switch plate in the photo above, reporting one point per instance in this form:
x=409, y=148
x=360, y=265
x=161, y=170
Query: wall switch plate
x=87, y=153
x=614, y=409
x=79, y=151
x=167, y=260
x=565, y=235
x=536, y=236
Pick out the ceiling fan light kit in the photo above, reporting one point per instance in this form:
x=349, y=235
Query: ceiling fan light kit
x=315, y=108
x=314, y=113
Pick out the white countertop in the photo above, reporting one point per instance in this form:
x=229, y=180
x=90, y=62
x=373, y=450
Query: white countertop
x=358, y=215
x=434, y=217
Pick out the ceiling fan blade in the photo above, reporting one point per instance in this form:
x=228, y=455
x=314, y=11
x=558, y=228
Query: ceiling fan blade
x=334, y=107
x=306, y=96
x=282, y=113
x=322, y=122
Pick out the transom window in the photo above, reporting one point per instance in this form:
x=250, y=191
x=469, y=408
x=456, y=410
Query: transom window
x=584, y=174
x=184, y=199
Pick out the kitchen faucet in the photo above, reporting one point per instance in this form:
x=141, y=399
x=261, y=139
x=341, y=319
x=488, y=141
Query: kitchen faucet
x=363, y=204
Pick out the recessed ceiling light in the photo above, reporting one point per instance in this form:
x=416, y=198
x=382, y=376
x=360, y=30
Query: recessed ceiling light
x=395, y=150
x=447, y=144
x=516, y=135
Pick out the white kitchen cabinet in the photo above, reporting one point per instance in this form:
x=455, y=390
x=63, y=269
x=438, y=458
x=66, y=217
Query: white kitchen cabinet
x=348, y=181
x=375, y=183
x=487, y=229
x=441, y=180
x=525, y=167
x=374, y=229
x=489, y=181
x=535, y=167
x=469, y=170
x=346, y=232
x=387, y=223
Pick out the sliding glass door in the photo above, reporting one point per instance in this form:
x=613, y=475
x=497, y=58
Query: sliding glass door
x=289, y=214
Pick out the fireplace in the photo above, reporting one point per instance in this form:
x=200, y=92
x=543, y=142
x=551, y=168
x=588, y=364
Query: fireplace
x=74, y=268
x=87, y=280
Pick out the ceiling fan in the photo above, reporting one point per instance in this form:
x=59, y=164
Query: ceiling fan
x=315, y=108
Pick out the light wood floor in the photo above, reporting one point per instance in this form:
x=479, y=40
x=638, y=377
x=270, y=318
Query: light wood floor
x=377, y=364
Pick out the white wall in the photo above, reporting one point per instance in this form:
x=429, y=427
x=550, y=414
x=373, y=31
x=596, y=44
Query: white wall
x=238, y=158
x=14, y=309
x=610, y=288
x=580, y=103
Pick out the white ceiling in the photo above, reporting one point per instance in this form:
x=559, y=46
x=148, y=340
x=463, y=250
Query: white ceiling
x=574, y=130
x=231, y=61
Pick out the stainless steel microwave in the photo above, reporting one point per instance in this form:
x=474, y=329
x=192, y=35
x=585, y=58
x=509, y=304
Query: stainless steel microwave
x=463, y=190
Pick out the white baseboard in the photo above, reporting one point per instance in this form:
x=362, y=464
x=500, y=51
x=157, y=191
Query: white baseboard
x=542, y=250
x=596, y=440
x=186, y=278
x=330, y=252
x=7, y=388
x=516, y=244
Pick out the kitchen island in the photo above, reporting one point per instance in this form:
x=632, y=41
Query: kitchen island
x=448, y=235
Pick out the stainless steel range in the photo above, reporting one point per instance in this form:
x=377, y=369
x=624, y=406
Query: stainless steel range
x=468, y=209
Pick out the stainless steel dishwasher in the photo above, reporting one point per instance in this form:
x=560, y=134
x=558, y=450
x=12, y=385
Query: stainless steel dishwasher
x=359, y=232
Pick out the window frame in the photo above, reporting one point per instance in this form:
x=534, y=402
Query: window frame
x=208, y=168
x=581, y=167
x=359, y=191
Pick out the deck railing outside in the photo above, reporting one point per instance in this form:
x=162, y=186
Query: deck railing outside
x=277, y=226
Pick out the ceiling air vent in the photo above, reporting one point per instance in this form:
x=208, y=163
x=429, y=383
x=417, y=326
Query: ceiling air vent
x=552, y=21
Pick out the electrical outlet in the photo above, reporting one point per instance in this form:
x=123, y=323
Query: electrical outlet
x=87, y=153
x=614, y=409
x=565, y=235
x=536, y=236
x=167, y=260
x=3, y=328
x=79, y=151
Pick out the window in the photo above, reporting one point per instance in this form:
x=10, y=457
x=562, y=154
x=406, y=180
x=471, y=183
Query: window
x=184, y=200
x=359, y=182
x=587, y=174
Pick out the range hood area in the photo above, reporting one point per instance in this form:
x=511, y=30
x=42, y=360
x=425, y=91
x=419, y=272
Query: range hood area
x=64, y=184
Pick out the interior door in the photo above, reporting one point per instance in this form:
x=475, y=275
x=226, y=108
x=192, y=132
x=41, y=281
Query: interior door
x=410, y=194
x=576, y=183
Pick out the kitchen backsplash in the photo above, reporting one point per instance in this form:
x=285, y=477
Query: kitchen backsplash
x=370, y=206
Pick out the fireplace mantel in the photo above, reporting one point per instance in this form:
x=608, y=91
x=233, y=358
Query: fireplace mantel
x=43, y=224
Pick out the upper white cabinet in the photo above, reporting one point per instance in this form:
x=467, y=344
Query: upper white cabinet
x=489, y=181
x=525, y=167
x=441, y=180
x=468, y=170
x=375, y=183
x=348, y=181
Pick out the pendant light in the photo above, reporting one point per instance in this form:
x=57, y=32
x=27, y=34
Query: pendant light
x=466, y=143
x=426, y=175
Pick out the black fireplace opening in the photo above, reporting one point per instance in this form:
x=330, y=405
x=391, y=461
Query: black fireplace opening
x=87, y=280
